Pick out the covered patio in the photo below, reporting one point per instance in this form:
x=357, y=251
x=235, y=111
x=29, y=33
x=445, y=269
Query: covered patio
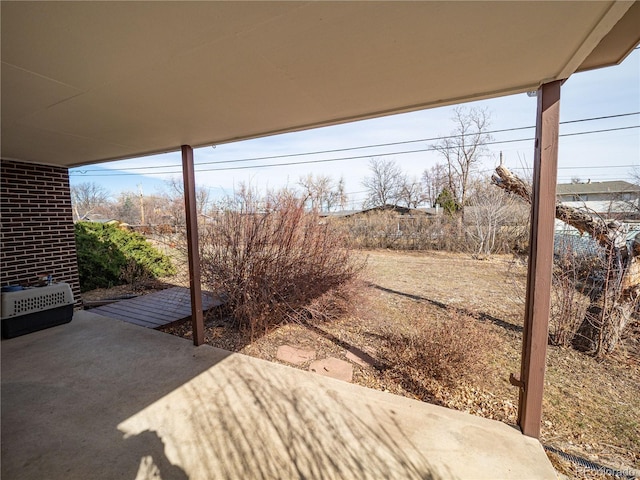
x=89, y=82
x=99, y=398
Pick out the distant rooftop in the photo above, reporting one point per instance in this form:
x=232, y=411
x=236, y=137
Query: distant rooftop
x=618, y=186
x=386, y=208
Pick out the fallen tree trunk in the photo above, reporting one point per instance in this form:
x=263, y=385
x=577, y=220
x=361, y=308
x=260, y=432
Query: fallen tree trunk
x=614, y=298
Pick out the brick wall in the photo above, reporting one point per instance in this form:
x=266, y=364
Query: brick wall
x=36, y=230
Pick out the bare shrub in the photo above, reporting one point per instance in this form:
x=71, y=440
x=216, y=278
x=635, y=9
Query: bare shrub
x=577, y=271
x=495, y=221
x=375, y=229
x=569, y=299
x=387, y=229
x=578, y=265
x=331, y=305
x=273, y=263
x=446, y=351
x=446, y=234
x=380, y=229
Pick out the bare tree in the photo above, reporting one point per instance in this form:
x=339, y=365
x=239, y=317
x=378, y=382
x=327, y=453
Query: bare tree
x=411, y=192
x=464, y=148
x=86, y=197
x=490, y=211
x=616, y=289
x=434, y=181
x=127, y=208
x=203, y=200
x=384, y=184
x=246, y=199
x=175, y=199
x=157, y=210
x=319, y=190
x=342, y=198
x=308, y=190
x=635, y=176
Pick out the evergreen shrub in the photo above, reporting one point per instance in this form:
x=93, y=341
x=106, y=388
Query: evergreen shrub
x=105, y=251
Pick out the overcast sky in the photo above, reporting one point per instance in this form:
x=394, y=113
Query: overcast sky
x=610, y=155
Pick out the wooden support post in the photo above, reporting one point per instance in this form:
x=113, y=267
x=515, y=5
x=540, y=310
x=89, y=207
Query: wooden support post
x=195, y=287
x=543, y=205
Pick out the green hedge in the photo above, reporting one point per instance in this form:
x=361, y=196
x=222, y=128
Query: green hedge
x=105, y=250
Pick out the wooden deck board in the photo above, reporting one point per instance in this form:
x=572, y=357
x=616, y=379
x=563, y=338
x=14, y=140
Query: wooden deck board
x=139, y=318
x=152, y=309
x=157, y=309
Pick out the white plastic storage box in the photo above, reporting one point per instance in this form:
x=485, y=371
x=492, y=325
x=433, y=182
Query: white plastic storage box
x=37, y=308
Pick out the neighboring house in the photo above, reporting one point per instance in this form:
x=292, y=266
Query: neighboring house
x=617, y=199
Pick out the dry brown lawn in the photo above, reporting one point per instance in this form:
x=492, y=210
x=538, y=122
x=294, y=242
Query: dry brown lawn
x=591, y=409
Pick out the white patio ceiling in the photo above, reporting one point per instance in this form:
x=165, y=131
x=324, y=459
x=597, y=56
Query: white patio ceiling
x=85, y=82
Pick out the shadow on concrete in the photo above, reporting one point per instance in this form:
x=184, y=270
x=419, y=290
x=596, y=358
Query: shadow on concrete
x=99, y=398
x=294, y=431
x=479, y=315
x=150, y=449
x=65, y=389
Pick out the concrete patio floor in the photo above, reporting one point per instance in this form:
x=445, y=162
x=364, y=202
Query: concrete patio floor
x=99, y=398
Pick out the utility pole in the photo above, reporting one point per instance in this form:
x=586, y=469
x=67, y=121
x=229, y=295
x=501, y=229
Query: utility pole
x=141, y=194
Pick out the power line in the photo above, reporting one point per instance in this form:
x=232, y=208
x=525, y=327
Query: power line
x=390, y=144
x=591, y=167
x=358, y=157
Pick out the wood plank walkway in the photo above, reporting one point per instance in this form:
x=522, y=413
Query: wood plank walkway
x=157, y=309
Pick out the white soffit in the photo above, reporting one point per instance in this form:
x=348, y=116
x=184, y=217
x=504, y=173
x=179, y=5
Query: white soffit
x=84, y=82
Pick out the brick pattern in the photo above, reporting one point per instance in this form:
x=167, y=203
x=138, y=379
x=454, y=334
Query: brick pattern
x=36, y=230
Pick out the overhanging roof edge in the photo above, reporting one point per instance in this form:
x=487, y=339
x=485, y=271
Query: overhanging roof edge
x=328, y=123
x=608, y=21
x=615, y=40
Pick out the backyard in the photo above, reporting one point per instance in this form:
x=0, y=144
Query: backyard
x=590, y=407
x=409, y=307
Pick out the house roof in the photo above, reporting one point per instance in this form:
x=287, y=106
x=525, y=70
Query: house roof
x=385, y=208
x=614, y=187
x=619, y=209
x=85, y=82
